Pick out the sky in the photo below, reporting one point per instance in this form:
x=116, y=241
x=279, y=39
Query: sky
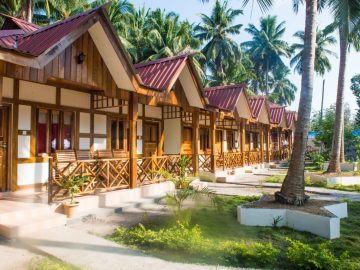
x=190, y=10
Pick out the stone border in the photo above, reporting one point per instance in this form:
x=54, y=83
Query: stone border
x=328, y=227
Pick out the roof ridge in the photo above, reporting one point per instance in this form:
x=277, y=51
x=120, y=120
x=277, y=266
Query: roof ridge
x=225, y=87
x=161, y=60
x=61, y=22
x=18, y=19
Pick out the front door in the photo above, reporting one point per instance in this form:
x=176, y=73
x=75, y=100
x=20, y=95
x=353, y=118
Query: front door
x=4, y=137
x=151, y=139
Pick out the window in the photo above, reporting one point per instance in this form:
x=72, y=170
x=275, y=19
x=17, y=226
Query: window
x=41, y=134
x=255, y=141
x=118, y=138
x=151, y=132
x=230, y=138
x=204, y=139
x=54, y=130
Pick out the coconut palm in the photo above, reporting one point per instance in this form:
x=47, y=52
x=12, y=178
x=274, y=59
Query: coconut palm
x=324, y=39
x=11, y=7
x=48, y=11
x=293, y=188
x=168, y=36
x=283, y=90
x=118, y=12
x=347, y=19
x=215, y=30
x=267, y=47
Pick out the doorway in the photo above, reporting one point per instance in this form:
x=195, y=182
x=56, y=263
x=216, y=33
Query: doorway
x=4, y=151
x=151, y=138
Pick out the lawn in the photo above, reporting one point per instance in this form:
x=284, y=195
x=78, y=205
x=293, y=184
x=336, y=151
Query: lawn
x=212, y=235
x=308, y=183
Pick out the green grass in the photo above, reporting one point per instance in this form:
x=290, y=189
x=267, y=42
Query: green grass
x=51, y=264
x=280, y=178
x=220, y=225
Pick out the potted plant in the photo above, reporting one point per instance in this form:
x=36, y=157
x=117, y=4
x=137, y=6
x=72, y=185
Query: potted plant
x=72, y=184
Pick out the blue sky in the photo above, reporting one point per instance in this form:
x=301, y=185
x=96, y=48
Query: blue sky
x=189, y=9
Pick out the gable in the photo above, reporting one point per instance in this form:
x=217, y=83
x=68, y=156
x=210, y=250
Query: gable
x=264, y=115
x=242, y=107
x=190, y=88
x=283, y=123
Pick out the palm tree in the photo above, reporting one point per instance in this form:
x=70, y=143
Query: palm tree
x=293, y=188
x=347, y=18
x=11, y=7
x=322, y=61
x=48, y=11
x=267, y=47
x=118, y=12
x=283, y=90
x=168, y=36
x=215, y=30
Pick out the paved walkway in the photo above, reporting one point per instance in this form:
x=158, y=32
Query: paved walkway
x=92, y=252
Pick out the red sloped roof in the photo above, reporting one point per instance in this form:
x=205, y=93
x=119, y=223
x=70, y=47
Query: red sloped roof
x=224, y=97
x=256, y=103
x=161, y=74
x=37, y=42
x=276, y=113
x=23, y=25
x=9, y=37
x=290, y=118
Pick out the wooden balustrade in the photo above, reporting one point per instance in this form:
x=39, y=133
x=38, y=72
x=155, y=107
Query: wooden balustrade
x=108, y=174
x=205, y=162
x=254, y=157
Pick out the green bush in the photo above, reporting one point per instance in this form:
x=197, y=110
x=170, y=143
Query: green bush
x=256, y=254
x=303, y=256
x=317, y=159
x=180, y=237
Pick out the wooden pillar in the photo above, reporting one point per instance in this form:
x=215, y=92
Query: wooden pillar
x=160, y=148
x=290, y=139
x=268, y=144
x=195, y=137
x=1, y=89
x=242, y=141
x=261, y=143
x=280, y=142
x=213, y=140
x=133, y=116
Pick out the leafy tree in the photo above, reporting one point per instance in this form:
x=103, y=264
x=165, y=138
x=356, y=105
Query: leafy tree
x=324, y=39
x=216, y=30
x=267, y=47
x=355, y=87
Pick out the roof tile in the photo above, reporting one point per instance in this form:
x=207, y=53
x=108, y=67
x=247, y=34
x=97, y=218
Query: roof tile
x=224, y=97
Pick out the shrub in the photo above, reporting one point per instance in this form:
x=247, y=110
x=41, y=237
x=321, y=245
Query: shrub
x=303, y=256
x=180, y=237
x=317, y=159
x=256, y=254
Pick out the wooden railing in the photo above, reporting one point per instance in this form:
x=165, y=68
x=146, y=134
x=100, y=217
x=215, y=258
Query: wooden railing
x=254, y=157
x=205, y=162
x=108, y=174
x=229, y=160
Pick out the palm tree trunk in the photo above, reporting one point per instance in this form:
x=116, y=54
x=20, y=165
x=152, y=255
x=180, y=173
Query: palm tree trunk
x=27, y=10
x=334, y=165
x=293, y=187
x=342, y=151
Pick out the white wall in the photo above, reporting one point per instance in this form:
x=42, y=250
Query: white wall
x=37, y=92
x=84, y=143
x=172, y=136
x=242, y=107
x=24, y=120
x=75, y=99
x=32, y=173
x=100, y=124
x=24, y=146
x=224, y=142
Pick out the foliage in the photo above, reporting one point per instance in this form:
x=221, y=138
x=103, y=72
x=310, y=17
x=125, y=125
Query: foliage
x=324, y=39
x=324, y=127
x=266, y=49
x=303, y=256
x=256, y=254
x=283, y=90
x=317, y=159
x=355, y=87
x=51, y=264
x=214, y=236
x=73, y=184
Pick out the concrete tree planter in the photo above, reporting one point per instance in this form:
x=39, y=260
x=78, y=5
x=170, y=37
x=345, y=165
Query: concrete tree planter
x=326, y=226
x=345, y=167
x=335, y=180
